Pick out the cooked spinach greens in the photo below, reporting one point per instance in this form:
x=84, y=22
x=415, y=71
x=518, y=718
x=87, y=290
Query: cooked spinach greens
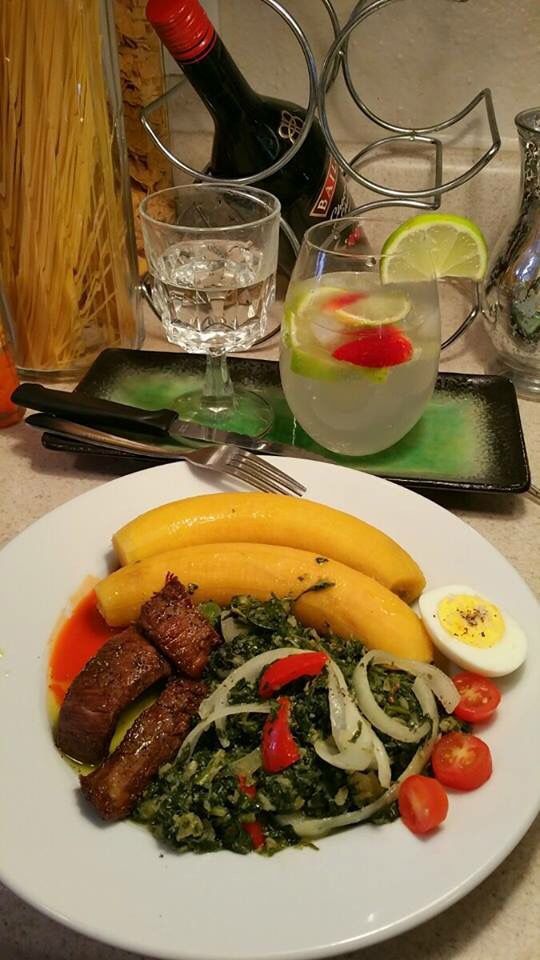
x=203, y=803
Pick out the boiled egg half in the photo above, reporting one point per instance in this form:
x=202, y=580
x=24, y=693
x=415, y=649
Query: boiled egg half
x=472, y=631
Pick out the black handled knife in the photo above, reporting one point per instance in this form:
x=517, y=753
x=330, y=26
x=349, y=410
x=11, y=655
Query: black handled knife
x=106, y=415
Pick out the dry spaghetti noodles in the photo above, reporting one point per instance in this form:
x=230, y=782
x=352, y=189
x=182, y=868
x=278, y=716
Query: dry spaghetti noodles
x=64, y=247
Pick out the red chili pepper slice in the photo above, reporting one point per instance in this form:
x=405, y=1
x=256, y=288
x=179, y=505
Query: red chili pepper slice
x=256, y=833
x=278, y=748
x=249, y=789
x=384, y=347
x=284, y=671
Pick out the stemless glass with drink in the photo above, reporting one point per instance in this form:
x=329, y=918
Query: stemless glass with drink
x=360, y=351
x=212, y=253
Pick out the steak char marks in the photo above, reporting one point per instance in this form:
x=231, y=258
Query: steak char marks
x=124, y=667
x=174, y=625
x=155, y=737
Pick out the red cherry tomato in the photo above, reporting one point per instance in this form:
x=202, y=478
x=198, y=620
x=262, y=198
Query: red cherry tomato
x=461, y=761
x=423, y=803
x=479, y=697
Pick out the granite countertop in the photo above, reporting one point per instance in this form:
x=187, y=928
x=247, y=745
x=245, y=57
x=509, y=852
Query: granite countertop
x=499, y=919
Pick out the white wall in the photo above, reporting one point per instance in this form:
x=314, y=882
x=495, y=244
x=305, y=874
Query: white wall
x=416, y=62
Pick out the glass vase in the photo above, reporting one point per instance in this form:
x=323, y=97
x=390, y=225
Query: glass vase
x=513, y=286
x=67, y=252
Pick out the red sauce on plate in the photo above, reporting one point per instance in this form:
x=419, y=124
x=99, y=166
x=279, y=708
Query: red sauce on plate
x=79, y=638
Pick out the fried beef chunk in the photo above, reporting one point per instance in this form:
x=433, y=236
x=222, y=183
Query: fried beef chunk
x=122, y=670
x=153, y=739
x=174, y=625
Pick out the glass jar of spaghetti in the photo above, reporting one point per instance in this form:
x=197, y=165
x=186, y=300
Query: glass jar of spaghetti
x=67, y=252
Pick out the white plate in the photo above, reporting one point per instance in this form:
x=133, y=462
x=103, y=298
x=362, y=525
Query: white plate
x=364, y=885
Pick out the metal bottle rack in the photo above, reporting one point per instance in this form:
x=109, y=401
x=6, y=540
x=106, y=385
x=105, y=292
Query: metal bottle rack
x=337, y=58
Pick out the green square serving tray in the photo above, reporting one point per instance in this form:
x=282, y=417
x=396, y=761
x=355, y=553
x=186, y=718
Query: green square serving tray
x=469, y=438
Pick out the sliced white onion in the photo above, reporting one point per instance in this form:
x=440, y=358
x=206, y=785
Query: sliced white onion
x=381, y=758
x=192, y=739
x=312, y=828
x=429, y=708
x=351, y=758
x=345, y=717
x=247, y=764
x=249, y=671
x=376, y=758
x=351, y=736
x=375, y=714
x=230, y=626
x=443, y=687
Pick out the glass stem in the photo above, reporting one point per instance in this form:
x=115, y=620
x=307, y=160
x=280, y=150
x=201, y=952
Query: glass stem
x=218, y=391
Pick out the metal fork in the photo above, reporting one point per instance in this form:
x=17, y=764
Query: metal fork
x=227, y=459
x=232, y=461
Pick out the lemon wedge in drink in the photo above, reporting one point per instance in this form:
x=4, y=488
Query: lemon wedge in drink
x=434, y=244
x=375, y=309
x=304, y=302
x=340, y=309
x=312, y=328
x=308, y=304
x=317, y=364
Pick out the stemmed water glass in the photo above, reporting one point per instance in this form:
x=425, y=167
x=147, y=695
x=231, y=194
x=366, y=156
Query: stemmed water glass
x=212, y=253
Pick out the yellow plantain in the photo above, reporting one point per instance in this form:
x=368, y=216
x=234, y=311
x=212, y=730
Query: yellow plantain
x=354, y=606
x=272, y=519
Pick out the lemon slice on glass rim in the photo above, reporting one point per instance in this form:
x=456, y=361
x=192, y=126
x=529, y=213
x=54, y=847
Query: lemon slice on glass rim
x=434, y=245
